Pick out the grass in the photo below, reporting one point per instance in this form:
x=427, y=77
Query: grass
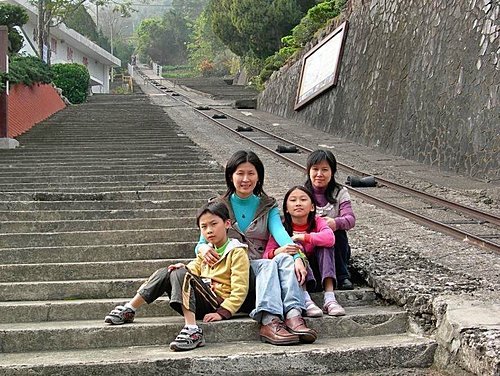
x=179, y=71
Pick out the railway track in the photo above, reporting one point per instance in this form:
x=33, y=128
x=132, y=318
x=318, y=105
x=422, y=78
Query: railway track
x=463, y=222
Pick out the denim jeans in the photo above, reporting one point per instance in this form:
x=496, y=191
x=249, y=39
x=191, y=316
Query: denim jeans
x=277, y=290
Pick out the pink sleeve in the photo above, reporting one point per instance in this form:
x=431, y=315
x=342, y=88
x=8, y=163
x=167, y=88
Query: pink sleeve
x=346, y=219
x=270, y=247
x=323, y=234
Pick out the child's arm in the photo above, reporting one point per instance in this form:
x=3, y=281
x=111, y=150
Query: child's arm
x=194, y=266
x=322, y=236
x=277, y=230
x=240, y=274
x=271, y=246
x=207, y=251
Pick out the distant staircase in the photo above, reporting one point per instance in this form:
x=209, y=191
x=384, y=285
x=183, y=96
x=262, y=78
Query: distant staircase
x=97, y=198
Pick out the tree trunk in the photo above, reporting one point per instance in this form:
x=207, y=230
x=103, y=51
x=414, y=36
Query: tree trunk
x=41, y=23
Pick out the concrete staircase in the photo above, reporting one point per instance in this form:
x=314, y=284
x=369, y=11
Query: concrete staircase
x=97, y=198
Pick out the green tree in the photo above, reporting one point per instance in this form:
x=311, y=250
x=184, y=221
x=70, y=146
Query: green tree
x=164, y=39
x=316, y=18
x=205, y=47
x=191, y=9
x=255, y=27
x=53, y=12
x=10, y=16
x=81, y=21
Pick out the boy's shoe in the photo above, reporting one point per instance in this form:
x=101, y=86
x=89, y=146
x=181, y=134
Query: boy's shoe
x=188, y=339
x=312, y=310
x=333, y=308
x=120, y=315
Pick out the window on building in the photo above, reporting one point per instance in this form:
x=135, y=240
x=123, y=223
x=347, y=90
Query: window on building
x=53, y=45
x=85, y=61
x=69, y=54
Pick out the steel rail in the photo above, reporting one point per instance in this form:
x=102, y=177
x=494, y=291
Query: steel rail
x=426, y=221
x=475, y=213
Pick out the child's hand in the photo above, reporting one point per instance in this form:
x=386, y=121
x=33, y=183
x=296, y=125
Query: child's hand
x=299, y=238
x=176, y=266
x=209, y=317
x=300, y=271
x=210, y=256
x=291, y=249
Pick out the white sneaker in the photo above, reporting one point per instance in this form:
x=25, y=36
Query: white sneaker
x=333, y=308
x=312, y=310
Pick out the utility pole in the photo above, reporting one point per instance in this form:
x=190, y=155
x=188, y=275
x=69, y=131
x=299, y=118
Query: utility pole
x=111, y=42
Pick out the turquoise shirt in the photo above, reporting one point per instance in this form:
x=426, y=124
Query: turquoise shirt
x=244, y=210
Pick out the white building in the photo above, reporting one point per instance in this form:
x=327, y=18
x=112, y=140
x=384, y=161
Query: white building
x=68, y=46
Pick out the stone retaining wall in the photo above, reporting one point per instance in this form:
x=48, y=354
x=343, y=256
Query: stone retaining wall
x=419, y=81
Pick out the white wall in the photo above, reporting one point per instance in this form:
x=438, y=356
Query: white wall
x=68, y=46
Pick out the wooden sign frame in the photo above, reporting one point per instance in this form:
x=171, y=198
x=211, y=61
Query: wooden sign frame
x=321, y=66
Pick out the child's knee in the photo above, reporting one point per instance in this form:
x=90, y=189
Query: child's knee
x=284, y=259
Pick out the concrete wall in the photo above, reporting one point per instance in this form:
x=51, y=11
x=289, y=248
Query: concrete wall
x=418, y=79
x=28, y=105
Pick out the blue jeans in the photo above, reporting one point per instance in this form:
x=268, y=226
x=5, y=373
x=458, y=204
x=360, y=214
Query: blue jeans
x=277, y=290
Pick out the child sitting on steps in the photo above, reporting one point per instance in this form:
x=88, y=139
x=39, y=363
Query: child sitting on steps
x=197, y=290
x=317, y=240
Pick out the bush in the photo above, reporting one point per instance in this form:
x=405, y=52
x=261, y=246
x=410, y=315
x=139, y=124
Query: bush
x=316, y=18
x=73, y=79
x=28, y=70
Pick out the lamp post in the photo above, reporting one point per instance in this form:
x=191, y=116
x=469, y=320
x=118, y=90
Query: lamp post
x=111, y=42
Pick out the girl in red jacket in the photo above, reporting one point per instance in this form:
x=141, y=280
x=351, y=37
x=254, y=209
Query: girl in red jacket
x=317, y=240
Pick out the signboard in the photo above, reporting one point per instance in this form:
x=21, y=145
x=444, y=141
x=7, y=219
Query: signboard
x=320, y=66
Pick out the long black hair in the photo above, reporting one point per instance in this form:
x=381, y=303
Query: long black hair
x=242, y=156
x=311, y=217
x=318, y=156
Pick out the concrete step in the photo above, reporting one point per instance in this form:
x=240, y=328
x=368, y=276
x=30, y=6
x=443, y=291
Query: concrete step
x=96, y=309
x=23, y=240
x=38, y=153
x=84, y=179
x=11, y=227
x=324, y=357
x=29, y=161
x=96, y=253
x=69, y=215
x=86, y=270
x=69, y=290
x=99, y=204
x=99, y=188
x=179, y=192
x=147, y=331
x=97, y=169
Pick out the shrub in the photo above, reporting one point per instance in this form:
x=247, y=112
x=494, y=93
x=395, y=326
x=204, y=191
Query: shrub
x=206, y=68
x=28, y=70
x=73, y=79
x=316, y=18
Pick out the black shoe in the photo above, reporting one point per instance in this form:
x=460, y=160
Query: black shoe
x=346, y=284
